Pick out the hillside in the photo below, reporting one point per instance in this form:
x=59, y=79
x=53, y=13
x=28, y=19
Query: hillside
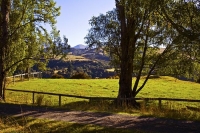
x=91, y=54
x=80, y=46
x=94, y=63
x=68, y=68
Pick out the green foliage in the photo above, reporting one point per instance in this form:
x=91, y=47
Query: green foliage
x=105, y=34
x=80, y=75
x=183, y=16
x=57, y=76
x=28, y=37
x=29, y=42
x=24, y=40
x=58, y=46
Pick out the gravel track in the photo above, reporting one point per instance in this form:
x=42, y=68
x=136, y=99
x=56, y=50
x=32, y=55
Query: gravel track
x=147, y=124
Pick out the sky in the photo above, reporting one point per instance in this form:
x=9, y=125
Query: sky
x=75, y=15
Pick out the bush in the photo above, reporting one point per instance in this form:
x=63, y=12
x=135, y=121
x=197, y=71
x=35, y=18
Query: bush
x=198, y=80
x=39, y=100
x=80, y=75
x=57, y=76
x=113, y=77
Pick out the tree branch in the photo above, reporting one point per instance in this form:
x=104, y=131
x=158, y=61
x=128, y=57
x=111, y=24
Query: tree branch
x=187, y=33
x=8, y=68
x=153, y=67
x=34, y=20
x=143, y=61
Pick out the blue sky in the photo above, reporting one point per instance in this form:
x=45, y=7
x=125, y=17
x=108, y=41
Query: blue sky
x=75, y=15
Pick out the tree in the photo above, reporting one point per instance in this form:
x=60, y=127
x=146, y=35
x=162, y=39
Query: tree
x=141, y=26
x=105, y=34
x=58, y=46
x=132, y=33
x=22, y=35
x=5, y=8
x=184, y=17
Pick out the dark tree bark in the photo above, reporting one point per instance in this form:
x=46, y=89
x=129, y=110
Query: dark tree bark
x=130, y=32
x=128, y=41
x=5, y=8
x=125, y=82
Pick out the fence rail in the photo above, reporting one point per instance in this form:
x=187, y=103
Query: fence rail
x=21, y=76
x=101, y=98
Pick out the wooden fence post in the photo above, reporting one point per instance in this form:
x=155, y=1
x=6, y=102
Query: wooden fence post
x=159, y=104
x=33, y=97
x=145, y=103
x=59, y=100
x=22, y=77
x=13, y=79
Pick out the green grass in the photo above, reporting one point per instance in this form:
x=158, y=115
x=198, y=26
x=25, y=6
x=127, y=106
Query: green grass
x=85, y=87
x=159, y=87
x=31, y=125
x=171, y=88
x=163, y=87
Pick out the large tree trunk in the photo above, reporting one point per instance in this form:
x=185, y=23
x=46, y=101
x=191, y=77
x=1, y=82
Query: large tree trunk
x=5, y=8
x=126, y=62
x=128, y=47
x=125, y=81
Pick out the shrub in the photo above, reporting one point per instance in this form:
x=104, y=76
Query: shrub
x=153, y=76
x=198, y=80
x=57, y=76
x=113, y=77
x=116, y=77
x=39, y=100
x=80, y=75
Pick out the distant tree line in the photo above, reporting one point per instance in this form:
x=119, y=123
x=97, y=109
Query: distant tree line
x=67, y=69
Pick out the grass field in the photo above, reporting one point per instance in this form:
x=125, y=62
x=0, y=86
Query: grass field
x=159, y=87
x=163, y=87
x=74, y=58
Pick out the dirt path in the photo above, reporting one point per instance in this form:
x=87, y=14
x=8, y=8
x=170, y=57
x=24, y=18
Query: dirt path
x=147, y=124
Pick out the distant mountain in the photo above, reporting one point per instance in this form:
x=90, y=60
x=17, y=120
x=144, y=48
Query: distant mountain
x=80, y=46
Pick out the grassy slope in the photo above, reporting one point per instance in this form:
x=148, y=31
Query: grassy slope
x=164, y=87
x=171, y=88
x=160, y=87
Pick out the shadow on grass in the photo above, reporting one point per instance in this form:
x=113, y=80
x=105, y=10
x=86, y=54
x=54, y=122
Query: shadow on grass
x=56, y=126
x=26, y=120
x=106, y=107
x=99, y=105
x=22, y=124
x=96, y=105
